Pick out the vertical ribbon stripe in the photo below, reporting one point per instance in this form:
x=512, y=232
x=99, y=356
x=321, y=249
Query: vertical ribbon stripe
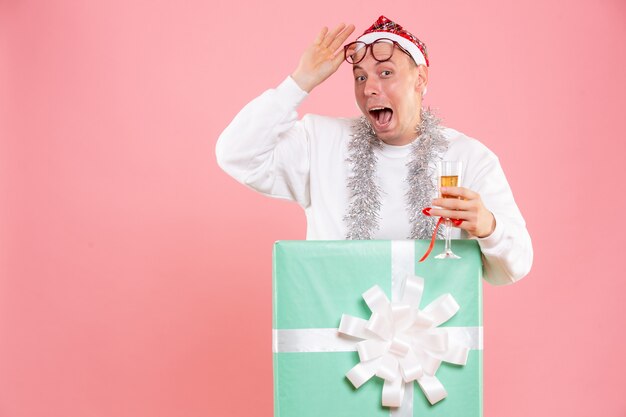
x=409, y=292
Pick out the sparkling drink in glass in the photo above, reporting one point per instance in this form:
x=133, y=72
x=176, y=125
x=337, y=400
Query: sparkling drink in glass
x=449, y=175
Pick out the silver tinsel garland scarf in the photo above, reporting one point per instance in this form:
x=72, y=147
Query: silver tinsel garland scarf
x=363, y=212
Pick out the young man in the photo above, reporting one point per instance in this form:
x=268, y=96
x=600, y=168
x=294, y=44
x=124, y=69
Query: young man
x=371, y=177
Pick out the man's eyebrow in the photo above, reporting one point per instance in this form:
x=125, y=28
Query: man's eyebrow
x=356, y=66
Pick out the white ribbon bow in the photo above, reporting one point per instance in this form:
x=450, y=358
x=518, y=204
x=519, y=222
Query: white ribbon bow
x=403, y=343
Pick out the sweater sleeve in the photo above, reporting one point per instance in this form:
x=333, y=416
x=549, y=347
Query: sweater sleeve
x=266, y=147
x=508, y=251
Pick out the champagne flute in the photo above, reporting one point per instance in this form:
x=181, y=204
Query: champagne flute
x=449, y=176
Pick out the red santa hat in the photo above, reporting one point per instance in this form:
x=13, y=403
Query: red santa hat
x=385, y=28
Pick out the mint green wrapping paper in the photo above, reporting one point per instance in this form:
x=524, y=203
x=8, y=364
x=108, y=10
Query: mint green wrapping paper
x=315, y=282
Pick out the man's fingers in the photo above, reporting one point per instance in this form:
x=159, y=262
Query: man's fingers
x=452, y=203
x=478, y=221
x=338, y=59
x=330, y=36
x=450, y=214
x=466, y=193
x=341, y=38
x=321, y=35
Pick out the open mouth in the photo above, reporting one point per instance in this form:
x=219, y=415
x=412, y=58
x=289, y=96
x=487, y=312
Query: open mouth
x=381, y=116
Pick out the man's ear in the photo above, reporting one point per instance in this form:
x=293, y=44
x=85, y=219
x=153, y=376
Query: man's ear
x=422, y=79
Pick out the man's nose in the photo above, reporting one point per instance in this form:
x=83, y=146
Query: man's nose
x=372, y=87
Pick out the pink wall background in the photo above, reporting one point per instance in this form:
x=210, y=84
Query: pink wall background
x=135, y=276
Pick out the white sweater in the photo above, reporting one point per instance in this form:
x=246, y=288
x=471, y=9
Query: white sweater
x=268, y=149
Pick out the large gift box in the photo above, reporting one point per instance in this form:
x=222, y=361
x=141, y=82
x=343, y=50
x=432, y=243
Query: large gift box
x=362, y=329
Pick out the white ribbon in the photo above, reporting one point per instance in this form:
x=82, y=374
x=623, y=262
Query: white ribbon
x=328, y=340
x=401, y=343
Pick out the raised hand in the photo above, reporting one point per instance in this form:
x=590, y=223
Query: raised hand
x=322, y=58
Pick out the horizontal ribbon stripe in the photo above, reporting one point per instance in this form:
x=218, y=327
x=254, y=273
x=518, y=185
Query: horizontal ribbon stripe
x=330, y=340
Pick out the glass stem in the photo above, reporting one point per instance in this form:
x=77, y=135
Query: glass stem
x=448, y=224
